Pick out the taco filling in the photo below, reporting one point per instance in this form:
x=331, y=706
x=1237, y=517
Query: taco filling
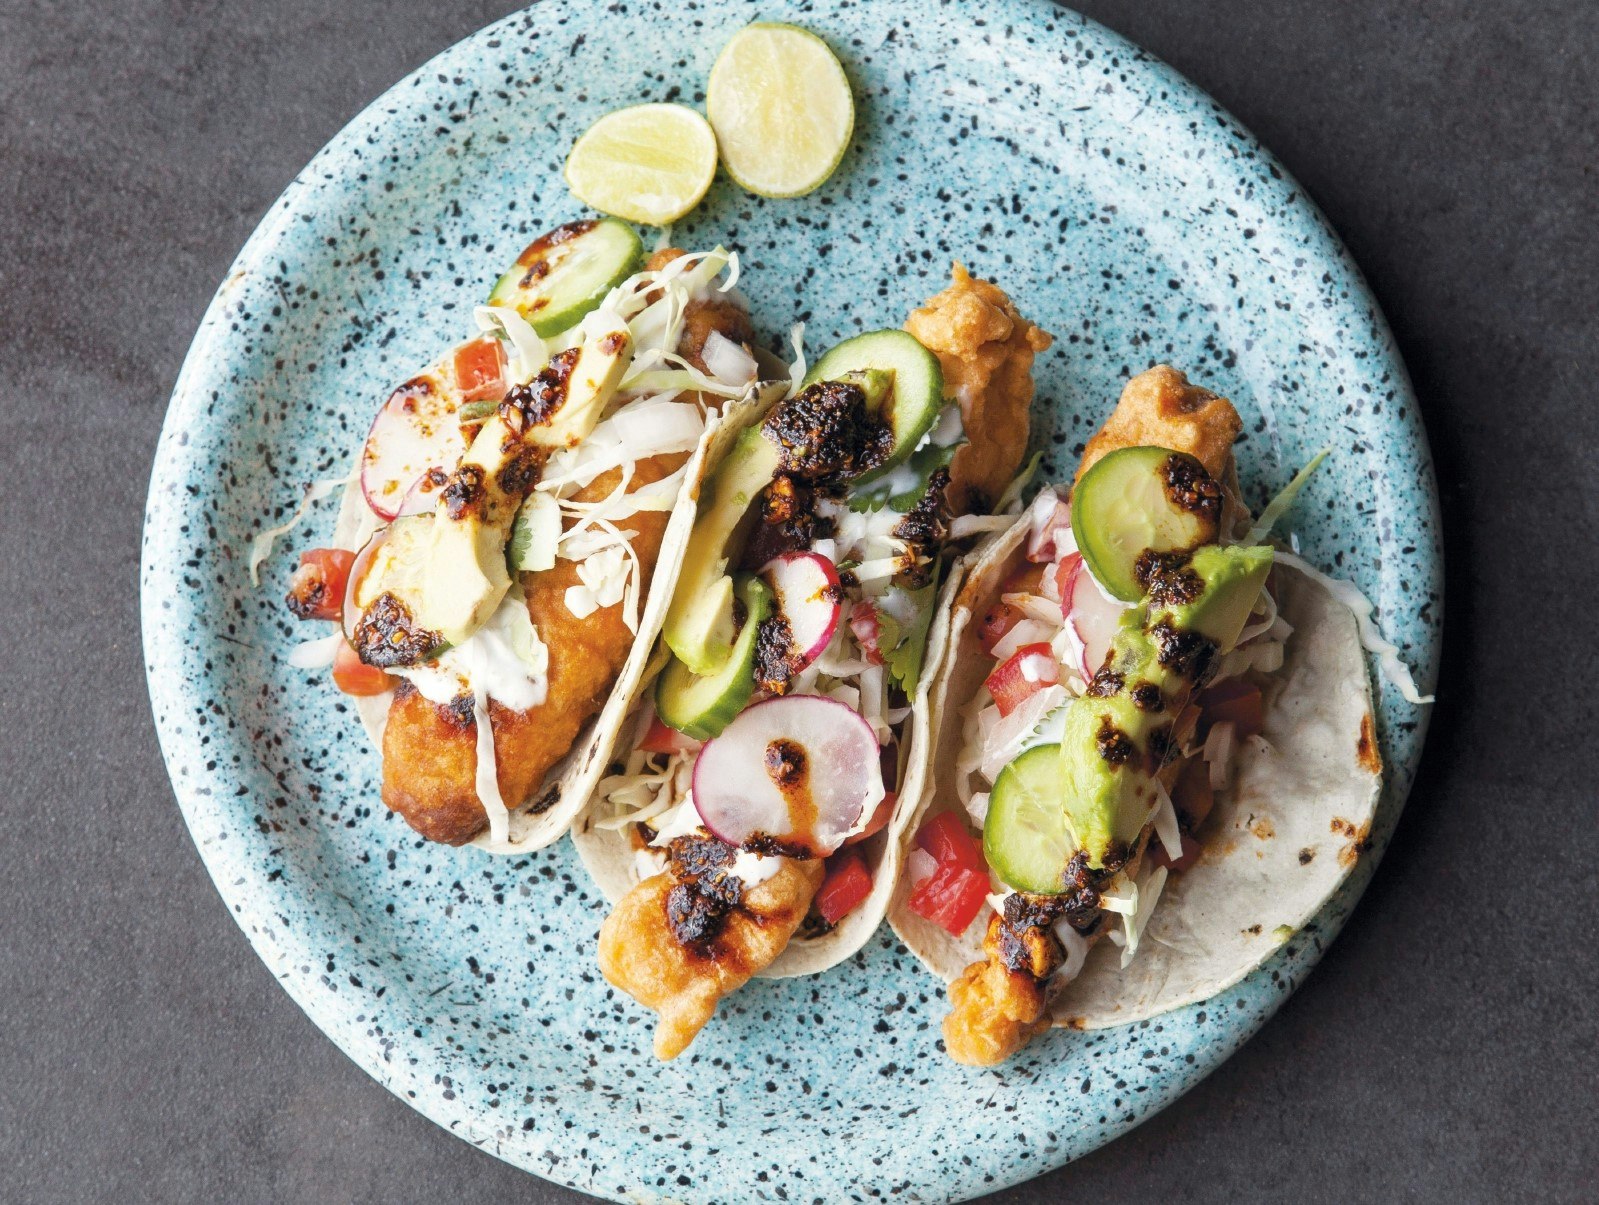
x=495, y=555
x=1117, y=665
x=751, y=825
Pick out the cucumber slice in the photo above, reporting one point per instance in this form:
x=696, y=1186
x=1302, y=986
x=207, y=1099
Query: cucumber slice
x=566, y=273
x=1026, y=839
x=701, y=707
x=1141, y=499
x=917, y=396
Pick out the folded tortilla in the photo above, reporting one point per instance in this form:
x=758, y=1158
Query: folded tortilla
x=1282, y=836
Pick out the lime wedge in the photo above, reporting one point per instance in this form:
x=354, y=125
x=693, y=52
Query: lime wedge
x=781, y=108
x=649, y=163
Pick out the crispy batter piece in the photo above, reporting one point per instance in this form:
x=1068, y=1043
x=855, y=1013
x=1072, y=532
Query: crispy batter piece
x=994, y=1011
x=1160, y=408
x=986, y=350
x=640, y=954
x=430, y=751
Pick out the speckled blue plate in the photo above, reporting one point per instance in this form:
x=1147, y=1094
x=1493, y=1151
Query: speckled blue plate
x=1129, y=215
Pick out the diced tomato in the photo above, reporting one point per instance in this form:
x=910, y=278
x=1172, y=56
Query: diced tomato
x=950, y=897
x=1026, y=672
x=1237, y=701
x=868, y=631
x=661, y=739
x=1191, y=851
x=947, y=838
x=880, y=818
x=316, y=591
x=354, y=677
x=847, y=883
x=480, y=369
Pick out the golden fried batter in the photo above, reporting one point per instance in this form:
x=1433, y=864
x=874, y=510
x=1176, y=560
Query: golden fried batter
x=994, y=1011
x=640, y=954
x=1160, y=408
x=430, y=751
x=986, y=350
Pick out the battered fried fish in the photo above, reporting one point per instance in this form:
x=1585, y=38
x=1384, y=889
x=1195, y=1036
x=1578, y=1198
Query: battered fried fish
x=430, y=750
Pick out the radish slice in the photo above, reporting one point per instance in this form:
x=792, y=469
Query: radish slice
x=808, y=594
x=799, y=771
x=1052, y=529
x=423, y=497
x=414, y=431
x=1093, y=618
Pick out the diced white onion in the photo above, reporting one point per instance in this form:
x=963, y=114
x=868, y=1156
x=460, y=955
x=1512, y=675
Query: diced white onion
x=727, y=361
x=919, y=865
x=977, y=808
x=1218, y=753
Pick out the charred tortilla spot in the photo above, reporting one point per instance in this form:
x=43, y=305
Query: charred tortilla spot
x=546, y=801
x=1366, y=755
x=1307, y=856
x=824, y=433
x=1189, y=487
x=388, y=636
x=1114, y=745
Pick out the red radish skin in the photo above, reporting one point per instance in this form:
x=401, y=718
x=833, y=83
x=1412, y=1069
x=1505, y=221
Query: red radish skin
x=1024, y=673
x=1093, y=617
x=877, y=823
x=414, y=430
x=863, y=622
x=796, y=770
x=808, y=592
x=1051, y=518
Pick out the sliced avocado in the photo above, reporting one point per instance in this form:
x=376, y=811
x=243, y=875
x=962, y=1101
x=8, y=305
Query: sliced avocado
x=1104, y=768
x=464, y=576
x=699, y=623
x=701, y=707
x=565, y=273
x=1137, y=501
x=910, y=407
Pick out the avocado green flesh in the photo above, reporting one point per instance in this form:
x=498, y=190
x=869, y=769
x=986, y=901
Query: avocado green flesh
x=918, y=386
x=580, y=272
x=462, y=574
x=701, y=707
x=699, y=623
x=1102, y=803
x=1120, y=508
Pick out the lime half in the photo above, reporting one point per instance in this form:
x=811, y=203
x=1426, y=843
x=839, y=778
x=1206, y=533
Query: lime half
x=781, y=108
x=648, y=164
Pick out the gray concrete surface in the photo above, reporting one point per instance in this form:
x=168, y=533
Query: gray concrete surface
x=1446, y=1048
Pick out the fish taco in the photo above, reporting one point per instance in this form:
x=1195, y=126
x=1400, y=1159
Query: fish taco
x=1152, y=727
x=497, y=570
x=751, y=821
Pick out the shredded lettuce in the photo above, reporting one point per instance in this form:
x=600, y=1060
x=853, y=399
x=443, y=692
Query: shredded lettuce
x=1010, y=502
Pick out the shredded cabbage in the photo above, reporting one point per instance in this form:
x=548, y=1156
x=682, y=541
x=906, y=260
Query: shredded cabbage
x=1393, y=669
x=315, y=654
x=796, y=367
x=261, y=546
x=1278, y=506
